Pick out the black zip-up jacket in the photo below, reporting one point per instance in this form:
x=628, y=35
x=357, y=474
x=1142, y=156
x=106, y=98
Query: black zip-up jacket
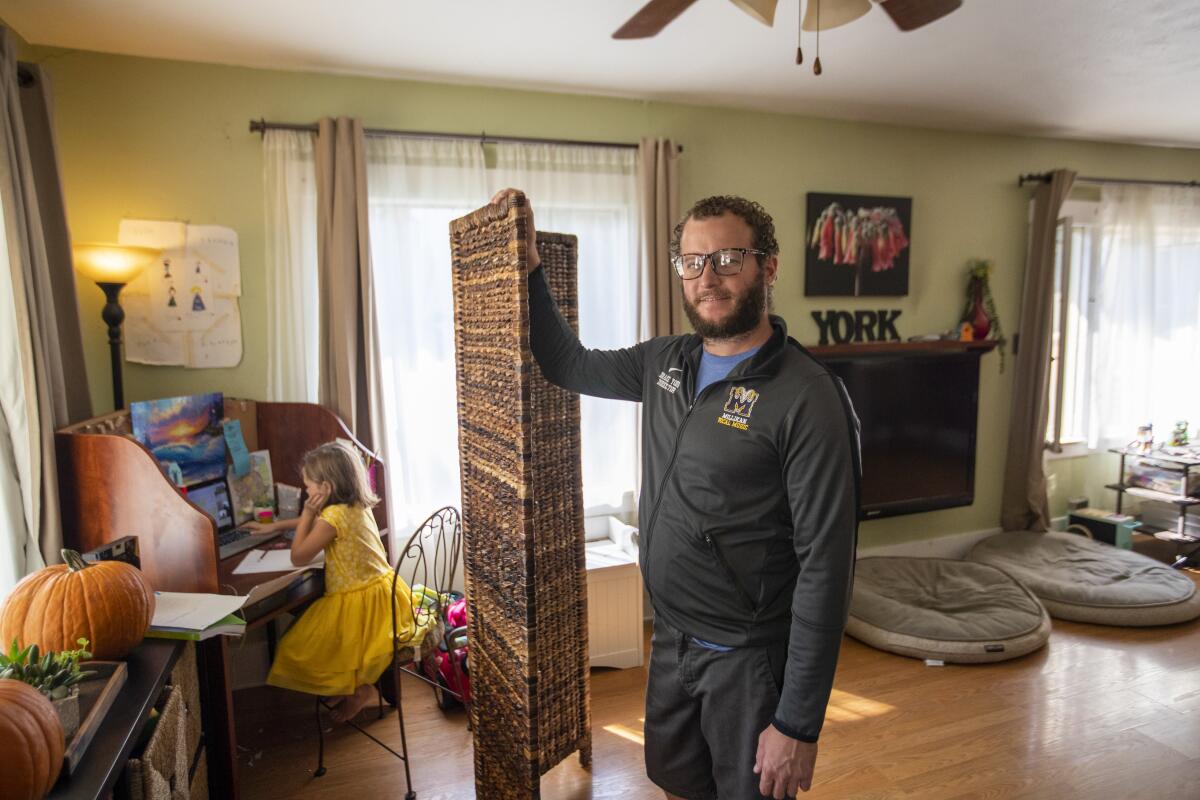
x=748, y=509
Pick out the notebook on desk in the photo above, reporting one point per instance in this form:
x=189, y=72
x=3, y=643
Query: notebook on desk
x=213, y=498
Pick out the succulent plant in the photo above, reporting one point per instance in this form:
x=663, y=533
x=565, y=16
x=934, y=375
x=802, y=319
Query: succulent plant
x=52, y=674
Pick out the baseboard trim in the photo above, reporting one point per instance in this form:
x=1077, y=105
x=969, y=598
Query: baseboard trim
x=955, y=545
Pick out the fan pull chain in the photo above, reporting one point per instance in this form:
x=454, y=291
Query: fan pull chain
x=800, y=36
x=817, y=63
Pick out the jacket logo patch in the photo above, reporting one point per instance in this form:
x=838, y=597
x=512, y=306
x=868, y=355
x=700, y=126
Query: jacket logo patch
x=665, y=381
x=738, y=407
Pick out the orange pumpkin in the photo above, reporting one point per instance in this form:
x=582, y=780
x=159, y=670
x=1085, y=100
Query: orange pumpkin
x=109, y=603
x=33, y=742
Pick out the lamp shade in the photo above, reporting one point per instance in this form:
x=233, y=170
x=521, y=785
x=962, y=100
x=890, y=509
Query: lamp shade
x=761, y=10
x=112, y=263
x=833, y=13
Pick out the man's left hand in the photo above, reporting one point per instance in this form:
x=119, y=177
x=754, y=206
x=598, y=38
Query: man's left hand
x=784, y=765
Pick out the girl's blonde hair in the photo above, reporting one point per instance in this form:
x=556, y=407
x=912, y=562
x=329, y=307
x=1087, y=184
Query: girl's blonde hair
x=342, y=467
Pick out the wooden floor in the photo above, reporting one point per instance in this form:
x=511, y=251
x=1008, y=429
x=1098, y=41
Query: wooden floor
x=1100, y=712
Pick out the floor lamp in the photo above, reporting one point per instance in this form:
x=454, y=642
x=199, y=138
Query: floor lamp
x=112, y=266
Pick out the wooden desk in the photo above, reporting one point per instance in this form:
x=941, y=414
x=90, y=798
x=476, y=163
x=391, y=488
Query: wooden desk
x=111, y=486
x=149, y=665
x=213, y=661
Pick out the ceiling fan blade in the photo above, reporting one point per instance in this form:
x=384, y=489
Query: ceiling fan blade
x=652, y=18
x=912, y=14
x=833, y=13
x=761, y=10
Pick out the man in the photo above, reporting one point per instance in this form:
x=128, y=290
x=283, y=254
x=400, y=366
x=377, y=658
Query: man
x=748, y=511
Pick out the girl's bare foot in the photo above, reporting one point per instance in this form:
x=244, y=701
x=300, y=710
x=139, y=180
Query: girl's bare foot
x=350, y=705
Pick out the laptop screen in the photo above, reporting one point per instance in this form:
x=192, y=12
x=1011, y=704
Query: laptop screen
x=213, y=498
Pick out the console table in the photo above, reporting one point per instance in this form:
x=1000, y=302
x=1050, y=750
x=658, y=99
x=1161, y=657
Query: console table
x=149, y=664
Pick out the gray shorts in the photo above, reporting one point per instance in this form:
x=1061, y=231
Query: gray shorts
x=704, y=712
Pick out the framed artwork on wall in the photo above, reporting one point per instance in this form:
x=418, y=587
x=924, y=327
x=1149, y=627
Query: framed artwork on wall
x=856, y=245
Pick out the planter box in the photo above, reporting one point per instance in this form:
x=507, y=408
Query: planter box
x=68, y=712
x=96, y=696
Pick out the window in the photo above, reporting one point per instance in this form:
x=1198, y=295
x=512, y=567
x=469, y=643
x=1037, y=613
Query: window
x=415, y=188
x=1126, y=333
x=1076, y=253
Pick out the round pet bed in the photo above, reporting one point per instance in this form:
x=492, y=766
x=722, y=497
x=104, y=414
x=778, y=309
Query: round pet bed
x=1082, y=580
x=955, y=611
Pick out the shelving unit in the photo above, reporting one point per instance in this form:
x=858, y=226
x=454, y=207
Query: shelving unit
x=1182, y=500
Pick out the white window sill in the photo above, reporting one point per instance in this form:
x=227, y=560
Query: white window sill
x=1069, y=450
x=596, y=525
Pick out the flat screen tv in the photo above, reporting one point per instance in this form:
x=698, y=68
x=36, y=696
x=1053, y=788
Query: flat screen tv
x=918, y=414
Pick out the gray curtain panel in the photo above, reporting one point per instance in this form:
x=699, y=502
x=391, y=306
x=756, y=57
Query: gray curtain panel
x=658, y=195
x=1024, y=506
x=56, y=288
x=348, y=374
x=39, y=257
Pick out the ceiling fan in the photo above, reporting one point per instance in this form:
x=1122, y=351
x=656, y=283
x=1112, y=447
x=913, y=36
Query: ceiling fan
x=820, y=14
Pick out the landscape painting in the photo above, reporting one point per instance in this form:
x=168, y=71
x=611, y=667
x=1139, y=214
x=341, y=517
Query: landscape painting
x=184, y=434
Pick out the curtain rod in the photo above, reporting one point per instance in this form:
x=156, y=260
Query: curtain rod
x=1044, y=177
x=261, y=126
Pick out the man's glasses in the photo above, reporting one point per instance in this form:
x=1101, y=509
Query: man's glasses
x=726, y=261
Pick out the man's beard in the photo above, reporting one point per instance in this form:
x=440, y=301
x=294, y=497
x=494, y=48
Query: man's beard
x=744, y=318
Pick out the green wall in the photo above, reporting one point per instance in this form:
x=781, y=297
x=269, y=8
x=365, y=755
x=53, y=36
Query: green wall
x=162, y=139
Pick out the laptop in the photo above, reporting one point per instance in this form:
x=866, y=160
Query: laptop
x=213, y=499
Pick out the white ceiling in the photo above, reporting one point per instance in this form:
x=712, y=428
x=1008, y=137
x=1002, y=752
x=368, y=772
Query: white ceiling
x=1119, y=70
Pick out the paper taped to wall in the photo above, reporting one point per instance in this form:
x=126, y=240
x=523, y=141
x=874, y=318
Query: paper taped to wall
x=183, y=309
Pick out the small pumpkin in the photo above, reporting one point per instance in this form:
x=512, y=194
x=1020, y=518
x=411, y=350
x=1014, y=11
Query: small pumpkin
x=33, y=742
x=109, y=603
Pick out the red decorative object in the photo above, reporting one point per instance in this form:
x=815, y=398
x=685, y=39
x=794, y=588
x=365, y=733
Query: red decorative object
x=981, y=325
x=980, y=312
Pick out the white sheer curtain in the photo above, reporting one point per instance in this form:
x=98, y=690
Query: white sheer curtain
x=19, y=552
x=415, y=187
x=1146, y=313
x=290, y=182
x=592, y=192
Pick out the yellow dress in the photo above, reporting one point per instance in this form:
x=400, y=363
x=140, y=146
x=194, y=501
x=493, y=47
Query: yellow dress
x=344, y=639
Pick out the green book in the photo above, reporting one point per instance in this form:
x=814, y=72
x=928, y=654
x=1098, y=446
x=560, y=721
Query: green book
x=232, y=625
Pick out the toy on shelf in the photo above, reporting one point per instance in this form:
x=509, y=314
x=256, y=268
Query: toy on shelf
x=1179, y=436
x=1144, y=442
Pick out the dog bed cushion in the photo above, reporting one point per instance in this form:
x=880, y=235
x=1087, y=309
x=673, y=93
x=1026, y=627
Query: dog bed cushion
x=1082, y=580
x=955, y=611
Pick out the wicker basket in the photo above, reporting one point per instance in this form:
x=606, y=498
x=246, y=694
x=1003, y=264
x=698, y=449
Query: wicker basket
x=519, y=448
x=161, y=772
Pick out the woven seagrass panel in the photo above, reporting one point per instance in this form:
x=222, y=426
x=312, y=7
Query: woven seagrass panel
x=522, y=509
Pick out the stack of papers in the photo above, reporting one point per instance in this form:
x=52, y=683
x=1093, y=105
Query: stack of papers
x=257, y=561
x=194, y=616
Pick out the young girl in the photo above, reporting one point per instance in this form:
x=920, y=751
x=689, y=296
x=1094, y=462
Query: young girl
x=342, y=644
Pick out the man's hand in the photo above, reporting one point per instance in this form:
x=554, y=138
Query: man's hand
x=535, y=260
x=784, y=765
